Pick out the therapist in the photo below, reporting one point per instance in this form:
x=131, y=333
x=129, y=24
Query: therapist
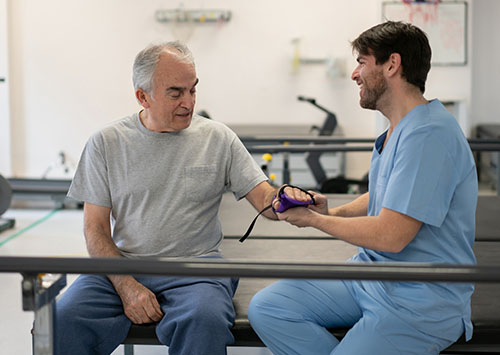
x=420, y=208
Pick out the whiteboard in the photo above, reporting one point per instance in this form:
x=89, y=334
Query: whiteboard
x=445, y=24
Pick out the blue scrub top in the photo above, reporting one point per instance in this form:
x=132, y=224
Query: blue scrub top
x=426, y=171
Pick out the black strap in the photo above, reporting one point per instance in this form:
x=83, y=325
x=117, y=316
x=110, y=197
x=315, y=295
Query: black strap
x=280, y=192
x=249, y=230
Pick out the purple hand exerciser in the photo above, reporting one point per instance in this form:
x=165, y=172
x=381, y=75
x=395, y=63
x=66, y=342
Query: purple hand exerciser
x=286, y=202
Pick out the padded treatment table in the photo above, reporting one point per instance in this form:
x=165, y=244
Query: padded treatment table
x=283, y=242
x=280, y=242
x=485, y=300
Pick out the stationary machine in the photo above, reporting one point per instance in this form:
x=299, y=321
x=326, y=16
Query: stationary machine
x=5, y=199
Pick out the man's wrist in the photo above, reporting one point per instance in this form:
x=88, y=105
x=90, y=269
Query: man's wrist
x=121, y=281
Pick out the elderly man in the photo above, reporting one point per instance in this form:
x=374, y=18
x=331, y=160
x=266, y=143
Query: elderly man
x=152, y=184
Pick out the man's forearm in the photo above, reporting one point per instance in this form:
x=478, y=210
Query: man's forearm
x=100, y=244
x=261, y=196
x=270, y=195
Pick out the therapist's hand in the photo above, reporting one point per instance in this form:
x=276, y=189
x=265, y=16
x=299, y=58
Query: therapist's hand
x=298, y=216
x=320, y=201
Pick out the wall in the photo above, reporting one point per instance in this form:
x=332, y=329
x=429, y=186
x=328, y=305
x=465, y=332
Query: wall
x=5, y=152
x=485, y=68
x=71, y=67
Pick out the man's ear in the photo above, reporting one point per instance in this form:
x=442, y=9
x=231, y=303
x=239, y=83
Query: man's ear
x=393, y=64
x=143, y=97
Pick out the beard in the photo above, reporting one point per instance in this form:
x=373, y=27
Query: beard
x=375, y=86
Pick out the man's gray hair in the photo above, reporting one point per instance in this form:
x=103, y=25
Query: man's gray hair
x=147, y=59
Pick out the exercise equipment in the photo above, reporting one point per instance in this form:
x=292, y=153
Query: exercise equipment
x=286, y=202
x=5, y=200
x=488, y=164
x=54, y=190
x=330, y=122
x=340, y=184
x=326, y=185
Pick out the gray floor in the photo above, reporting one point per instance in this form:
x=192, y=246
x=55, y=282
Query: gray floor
x=42, y=232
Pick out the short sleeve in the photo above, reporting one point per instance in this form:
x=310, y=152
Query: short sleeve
x=243, y=172
x=423, y=178
x=90, y=183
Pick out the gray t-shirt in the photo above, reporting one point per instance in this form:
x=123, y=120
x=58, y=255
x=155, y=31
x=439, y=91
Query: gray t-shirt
x=164, y=189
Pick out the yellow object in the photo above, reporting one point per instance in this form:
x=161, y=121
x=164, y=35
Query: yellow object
x=272, y=177
x=267, y=157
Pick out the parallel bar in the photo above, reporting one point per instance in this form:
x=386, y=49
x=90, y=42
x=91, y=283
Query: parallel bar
x=40, y=186
x=305, y=140
x=221, y=268
x=333, y=140
x=303, y=148
x=324, y=148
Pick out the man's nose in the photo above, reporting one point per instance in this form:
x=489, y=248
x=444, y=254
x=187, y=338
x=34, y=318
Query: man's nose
x=188, y=100
x=355, y=74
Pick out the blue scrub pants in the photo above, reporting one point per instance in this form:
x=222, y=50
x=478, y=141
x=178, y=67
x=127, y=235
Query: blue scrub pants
x=292, y=317
x=198, y=315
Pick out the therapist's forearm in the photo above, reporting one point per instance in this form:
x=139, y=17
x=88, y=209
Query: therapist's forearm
x=355, y=208
x=372, y=232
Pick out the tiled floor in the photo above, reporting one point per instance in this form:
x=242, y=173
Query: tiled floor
x=46, y=232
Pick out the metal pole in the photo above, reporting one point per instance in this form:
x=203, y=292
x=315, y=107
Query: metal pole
x=301, y=148
x=227, y=268
x=39, y=295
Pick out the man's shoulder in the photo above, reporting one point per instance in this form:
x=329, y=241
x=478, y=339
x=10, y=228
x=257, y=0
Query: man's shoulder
x=117, y=127
x=437, y=127
x=432, y=118
x=207, y=125
x=127, y=122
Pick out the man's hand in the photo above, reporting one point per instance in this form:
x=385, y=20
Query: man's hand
x=320, y=201
x=139, y=303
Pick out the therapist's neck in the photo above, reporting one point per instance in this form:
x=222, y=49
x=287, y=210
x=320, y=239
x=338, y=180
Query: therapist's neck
x=402, y=100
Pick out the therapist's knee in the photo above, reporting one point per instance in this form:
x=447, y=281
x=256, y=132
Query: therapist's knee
x=259, y=307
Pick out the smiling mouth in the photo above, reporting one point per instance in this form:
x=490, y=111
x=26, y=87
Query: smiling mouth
x=184, y=115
